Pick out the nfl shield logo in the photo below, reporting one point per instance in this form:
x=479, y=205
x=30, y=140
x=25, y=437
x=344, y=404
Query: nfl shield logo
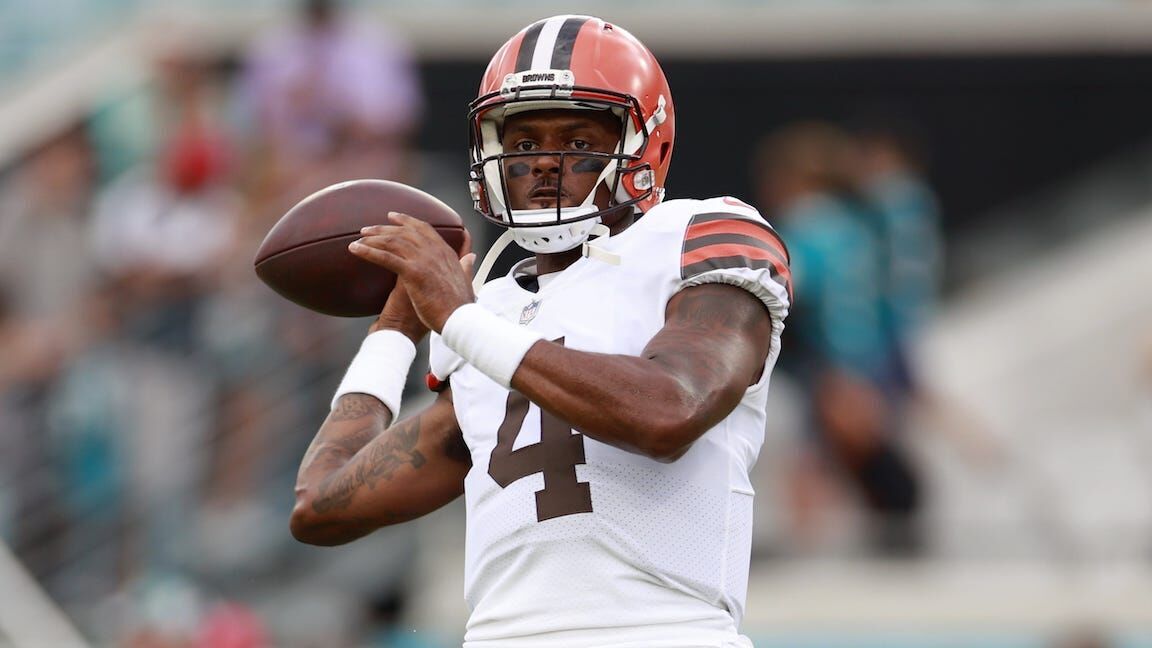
x=529, y=312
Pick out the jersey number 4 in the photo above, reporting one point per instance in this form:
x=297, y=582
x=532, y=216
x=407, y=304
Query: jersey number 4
x=557, y=455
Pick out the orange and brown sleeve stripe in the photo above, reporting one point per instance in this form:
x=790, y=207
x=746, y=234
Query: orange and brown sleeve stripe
x=721, y=241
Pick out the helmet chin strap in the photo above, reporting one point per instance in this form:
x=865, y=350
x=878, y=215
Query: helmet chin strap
x=593, y=249
x=490, y=260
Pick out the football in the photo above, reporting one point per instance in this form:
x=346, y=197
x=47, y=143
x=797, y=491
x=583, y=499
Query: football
x=305, y=256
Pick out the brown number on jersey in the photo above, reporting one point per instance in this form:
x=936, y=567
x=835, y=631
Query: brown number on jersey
x=557, y=455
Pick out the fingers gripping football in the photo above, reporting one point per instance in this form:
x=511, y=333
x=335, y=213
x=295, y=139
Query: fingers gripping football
x=436, y=278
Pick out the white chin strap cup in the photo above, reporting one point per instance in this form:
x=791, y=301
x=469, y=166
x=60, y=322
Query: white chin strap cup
x=549, y=239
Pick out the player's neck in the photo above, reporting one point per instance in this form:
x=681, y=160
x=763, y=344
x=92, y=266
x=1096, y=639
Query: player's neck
x=557, y=261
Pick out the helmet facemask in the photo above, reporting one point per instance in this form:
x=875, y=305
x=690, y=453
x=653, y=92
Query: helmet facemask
x=557, y=229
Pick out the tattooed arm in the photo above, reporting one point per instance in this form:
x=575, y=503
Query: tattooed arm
x=360, y=473
x=690, y=376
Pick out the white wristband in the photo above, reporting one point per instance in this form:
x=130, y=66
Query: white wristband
x=379, y=369
x=488, y=342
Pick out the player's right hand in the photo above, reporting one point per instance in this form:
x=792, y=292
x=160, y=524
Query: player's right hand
x=399, y=315
x=435, y=275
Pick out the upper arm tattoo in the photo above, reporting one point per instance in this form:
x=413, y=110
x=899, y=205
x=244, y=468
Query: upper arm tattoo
x=701, y=320
x=703, y=312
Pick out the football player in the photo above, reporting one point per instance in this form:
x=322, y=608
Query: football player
x=601, y=405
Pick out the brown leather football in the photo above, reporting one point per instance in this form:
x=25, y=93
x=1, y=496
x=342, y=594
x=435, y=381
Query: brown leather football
x=305, y=256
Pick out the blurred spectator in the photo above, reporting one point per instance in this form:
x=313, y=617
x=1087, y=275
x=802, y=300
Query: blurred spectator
x=30, y=509
x=160, y=232
x=839, y=347
x=44, y=208
x=85, y=419
x=329, y=95
x=232, y=625
x=44, y=278
x=889, y=161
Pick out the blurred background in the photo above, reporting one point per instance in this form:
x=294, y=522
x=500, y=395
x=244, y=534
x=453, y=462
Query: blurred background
x=961, y=430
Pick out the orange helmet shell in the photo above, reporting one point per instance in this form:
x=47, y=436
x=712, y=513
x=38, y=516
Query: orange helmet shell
x=580, y=61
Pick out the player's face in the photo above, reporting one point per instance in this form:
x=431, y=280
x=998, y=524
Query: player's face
x=533, y=179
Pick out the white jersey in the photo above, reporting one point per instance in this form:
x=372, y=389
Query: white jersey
x=572, y=542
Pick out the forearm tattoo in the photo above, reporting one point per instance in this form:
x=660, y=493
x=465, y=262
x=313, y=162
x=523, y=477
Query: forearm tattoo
x=337, y=445
x=378, y=461
x=354, y=406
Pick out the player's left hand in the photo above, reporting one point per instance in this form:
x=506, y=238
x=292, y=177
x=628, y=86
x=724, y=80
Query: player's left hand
x=438, y=278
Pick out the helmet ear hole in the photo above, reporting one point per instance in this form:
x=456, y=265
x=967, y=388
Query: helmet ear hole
x=665, y=149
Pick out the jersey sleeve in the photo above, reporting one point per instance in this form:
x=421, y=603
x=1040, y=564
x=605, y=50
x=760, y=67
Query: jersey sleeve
x=739, y=248
x=442, y=363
